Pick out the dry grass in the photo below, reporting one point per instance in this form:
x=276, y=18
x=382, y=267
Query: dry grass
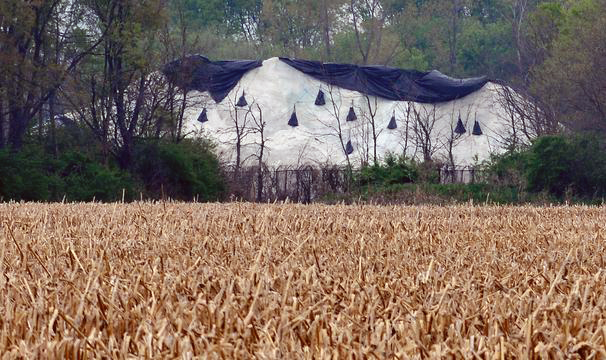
x=284, y=281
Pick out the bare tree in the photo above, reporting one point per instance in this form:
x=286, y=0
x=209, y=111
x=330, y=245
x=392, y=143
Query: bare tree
x=526, y=117
x=31, y=72
x=141, y=103
x=519, y=12
x=177, y=42
x=363, y=135
x=258, y=127
x=335, y=125
x=405, y=131
x=371, y=117
x=239, y=128
x=456, y=7
x=424, y=122
x=454, y=138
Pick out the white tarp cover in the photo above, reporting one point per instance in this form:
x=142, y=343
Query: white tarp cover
x=278, y=89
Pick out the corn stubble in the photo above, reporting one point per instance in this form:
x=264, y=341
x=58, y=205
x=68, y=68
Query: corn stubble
x=171, y=280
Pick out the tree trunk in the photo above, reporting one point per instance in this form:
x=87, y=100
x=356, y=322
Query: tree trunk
x=2, y=117
x=375, y=136
x=261, y=129
x=260, y=177
x=181, y=115
x=357, y=33
x=125, y=154
x=17, y=126
x=53, y=126
x=326, y=29
x=453, y=36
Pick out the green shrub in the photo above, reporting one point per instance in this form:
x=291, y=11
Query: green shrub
x=548, y=165
x=508, y=169
x=32, y=175
x=83, y=179
x=23, y=176
x=184, y=171
x=574, y=165
x=557, y=165
x=426, y=193
x=393, y=170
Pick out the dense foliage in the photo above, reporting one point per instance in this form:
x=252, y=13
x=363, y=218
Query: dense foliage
x=188, y=170
x=394, y=170
x=563, y=166
x=185, y=171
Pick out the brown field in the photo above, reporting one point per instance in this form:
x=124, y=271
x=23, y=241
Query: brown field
x=293, y=281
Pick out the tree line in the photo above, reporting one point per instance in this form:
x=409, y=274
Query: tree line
x=84, y=74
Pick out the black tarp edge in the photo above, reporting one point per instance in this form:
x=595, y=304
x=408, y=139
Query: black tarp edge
x=196, y=72
x=390, y=83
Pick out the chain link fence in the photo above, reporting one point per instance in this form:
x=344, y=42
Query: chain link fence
x=303, y=184
x=306, y=184
x=461, y=175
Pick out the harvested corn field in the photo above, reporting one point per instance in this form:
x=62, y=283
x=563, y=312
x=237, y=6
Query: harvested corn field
x=283, y=281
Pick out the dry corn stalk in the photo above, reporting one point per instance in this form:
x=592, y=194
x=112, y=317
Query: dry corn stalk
x=282, y=281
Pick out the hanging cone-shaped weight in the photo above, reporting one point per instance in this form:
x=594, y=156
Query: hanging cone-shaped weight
x=477, y=130
x=392, y=123
x=351, y=116
x=242, y=101
x=349, y=148
x=203, y=117
x=293, y=121
x=320, y=98
x=460, y=129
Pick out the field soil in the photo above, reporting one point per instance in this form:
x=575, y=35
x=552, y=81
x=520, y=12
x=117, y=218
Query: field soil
x=239, y=280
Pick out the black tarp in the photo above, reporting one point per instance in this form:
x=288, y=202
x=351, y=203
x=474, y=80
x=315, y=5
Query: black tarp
x=349, y=148
x=203, y=117
x=477, y=130
x=293, y=121
x=460, y=129
x=392, y=123
x=242, y=101
x=390, y=83
x=351, y=115
x=195, y=72
x=320, y=98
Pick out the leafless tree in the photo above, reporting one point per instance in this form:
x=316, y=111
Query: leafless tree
x=453, y=139
x=116, y=130
x=370, y=115
x=363, y=135
x=405, y=130
x=455, y=9
x=335, y=124
x=258, y=127
x=239, y=128
x=527, y=117
x=519, y=12
x=177, y=42
x=424, y=129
